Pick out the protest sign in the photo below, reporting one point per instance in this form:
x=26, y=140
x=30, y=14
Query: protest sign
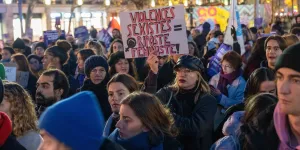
x=51, y=36
x=10, y=71
x=214, y=64
x=81, y=33
x=162, y=29
x=105, y=37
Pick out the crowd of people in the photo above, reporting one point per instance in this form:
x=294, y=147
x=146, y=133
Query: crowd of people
x=90, y=97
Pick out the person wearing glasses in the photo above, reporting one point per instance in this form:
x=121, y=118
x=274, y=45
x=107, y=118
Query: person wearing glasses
x=228, y=86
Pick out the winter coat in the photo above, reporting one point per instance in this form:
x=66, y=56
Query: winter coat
x=228, y=113
x=142, y=142
x=74, y=85
x=109, y=145
x=283, y=131
x=194, y=120
x=31, y=140
x=235, y=91
x=31, y=87
x=258, y=134
x=110, y=125
x=166, y=74
x=101, y=92
x=12, y=144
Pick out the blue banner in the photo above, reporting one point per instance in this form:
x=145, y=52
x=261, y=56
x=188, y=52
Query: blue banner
x=51, y=36
x=214, y=63
x=82, y=34
x=105, y=37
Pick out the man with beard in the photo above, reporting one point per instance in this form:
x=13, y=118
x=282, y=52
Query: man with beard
x=52, y=86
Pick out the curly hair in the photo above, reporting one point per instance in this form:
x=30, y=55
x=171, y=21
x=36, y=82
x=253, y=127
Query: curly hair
x=22, y=109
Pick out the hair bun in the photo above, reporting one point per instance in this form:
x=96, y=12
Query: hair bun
x=64, y=44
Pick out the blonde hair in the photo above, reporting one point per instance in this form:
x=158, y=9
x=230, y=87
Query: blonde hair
x=96, y=47
x=290, y=39
x=202, y=87
x=22, y=109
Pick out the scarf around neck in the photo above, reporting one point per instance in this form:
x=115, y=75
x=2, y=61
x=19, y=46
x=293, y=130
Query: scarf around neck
x=138, y=142
x=227, y=79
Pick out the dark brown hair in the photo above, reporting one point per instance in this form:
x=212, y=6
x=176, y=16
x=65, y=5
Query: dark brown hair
x=132, y=69
x=257, y=104
x=153, y=115
x=234, y=59
x=21, y=61
x=128, y=81
x=281, y=42
x=112, y=43
x=86, y=53
x=60, y=50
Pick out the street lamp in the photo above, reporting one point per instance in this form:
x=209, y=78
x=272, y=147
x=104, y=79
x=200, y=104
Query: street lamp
x=47, y=2
x=79, y=2
x=185, y=3
x=170, y=3
x=152, y=3
x=8, y=1
x=107, y=2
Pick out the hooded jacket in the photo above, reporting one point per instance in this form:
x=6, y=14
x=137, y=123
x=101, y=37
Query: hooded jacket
x=282, y=129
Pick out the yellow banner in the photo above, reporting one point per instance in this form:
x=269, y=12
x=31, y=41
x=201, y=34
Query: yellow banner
x=218, y=15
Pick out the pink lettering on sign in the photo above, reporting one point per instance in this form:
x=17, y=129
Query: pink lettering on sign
x=151, y=28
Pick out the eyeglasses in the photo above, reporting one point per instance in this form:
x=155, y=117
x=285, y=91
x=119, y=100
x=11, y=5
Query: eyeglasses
x=227, y=66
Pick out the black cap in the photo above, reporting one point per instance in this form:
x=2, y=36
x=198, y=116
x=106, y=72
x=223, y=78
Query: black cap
x=190, y=62
x=289, y=58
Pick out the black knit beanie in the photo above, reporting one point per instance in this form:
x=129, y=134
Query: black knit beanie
x=40, y=44
x=19, y=43
x=289, y=58
x=93, y=62
x=115, y=57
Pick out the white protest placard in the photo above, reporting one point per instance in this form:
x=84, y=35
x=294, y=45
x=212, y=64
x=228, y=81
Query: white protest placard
x=163, y=29
x=10, y=71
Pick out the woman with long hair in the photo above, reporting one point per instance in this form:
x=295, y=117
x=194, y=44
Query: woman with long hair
x=82, y=55
x=18, y=105
x=119, y=64
x=119, y=86
x=258, y=55
x=96, y=47
x=116, y=45
x=252, y=128
x=190, y=102
x=25, y=76
x=262, y=80
x=144, y=124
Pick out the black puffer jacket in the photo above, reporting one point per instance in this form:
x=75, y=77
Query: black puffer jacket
x=194, y=120
x=101, y=92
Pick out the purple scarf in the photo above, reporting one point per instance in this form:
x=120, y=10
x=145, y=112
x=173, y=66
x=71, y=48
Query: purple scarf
x=227, y=79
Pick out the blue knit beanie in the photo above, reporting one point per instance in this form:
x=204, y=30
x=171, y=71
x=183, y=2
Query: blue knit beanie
x=93, y=62
x=76, y=121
